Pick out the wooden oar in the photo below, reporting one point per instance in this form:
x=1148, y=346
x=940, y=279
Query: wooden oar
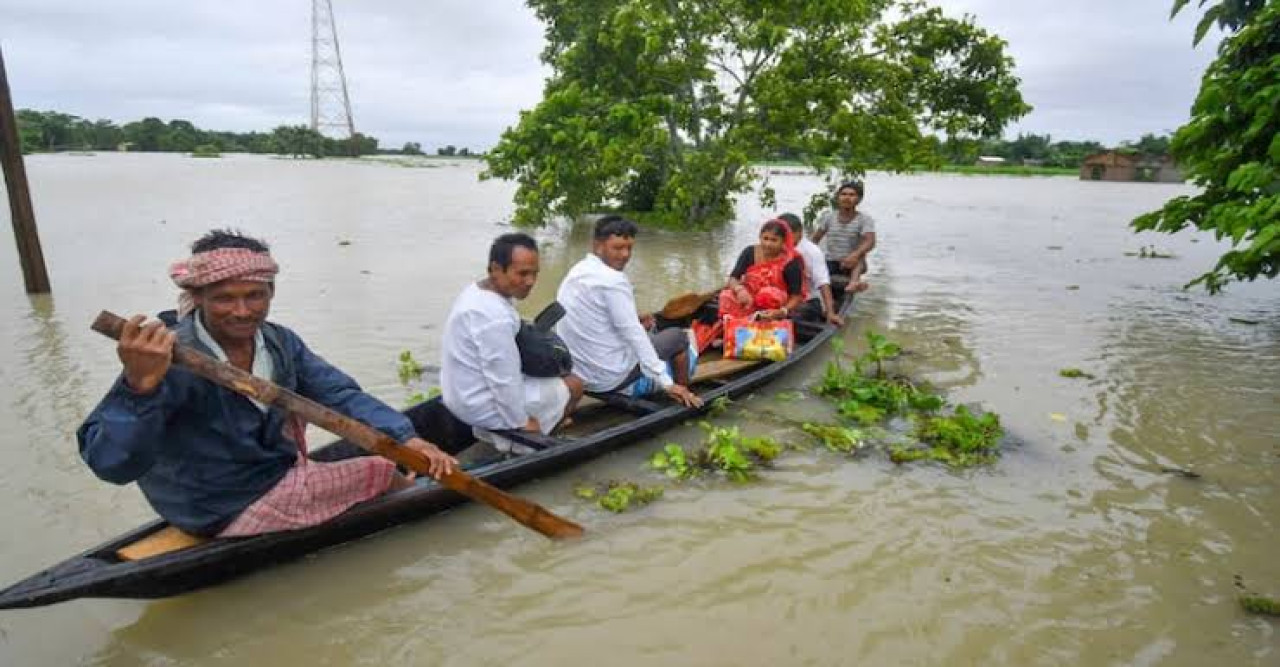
x=685, y=305
x=530, y=514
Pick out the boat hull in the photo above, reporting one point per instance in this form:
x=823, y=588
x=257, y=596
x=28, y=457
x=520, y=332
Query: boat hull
x=99, y=573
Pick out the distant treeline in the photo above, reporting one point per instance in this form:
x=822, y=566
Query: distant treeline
x=47, y=131
x=1042, y=150
x=42, y=131
x=1029, y=149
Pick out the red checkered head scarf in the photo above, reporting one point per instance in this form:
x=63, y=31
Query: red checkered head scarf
x=215, y=266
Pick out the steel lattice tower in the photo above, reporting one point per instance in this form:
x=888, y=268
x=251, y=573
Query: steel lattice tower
x=330, y=104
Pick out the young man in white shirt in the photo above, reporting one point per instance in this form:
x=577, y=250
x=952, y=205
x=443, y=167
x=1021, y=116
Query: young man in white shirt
x=612, y=352
x=821, y=306
x=480, y=372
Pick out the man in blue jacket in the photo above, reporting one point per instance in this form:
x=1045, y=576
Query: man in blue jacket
x=209, y=460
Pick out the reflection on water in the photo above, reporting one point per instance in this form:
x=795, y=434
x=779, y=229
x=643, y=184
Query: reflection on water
x=1079, y=547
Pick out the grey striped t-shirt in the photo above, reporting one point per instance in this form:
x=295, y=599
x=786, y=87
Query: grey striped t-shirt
x=842, y=237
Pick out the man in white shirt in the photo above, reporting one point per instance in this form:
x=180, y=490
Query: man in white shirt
x=611, y=350
x=821, y=306
x=480, y=373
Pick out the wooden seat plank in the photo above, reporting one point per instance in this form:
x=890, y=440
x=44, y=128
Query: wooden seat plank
x=163, y=541
x=719, y=368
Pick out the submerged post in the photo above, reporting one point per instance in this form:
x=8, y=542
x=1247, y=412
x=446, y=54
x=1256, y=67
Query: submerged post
x=15, y=177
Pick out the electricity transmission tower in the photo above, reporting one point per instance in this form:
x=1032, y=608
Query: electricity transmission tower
x=330, y=104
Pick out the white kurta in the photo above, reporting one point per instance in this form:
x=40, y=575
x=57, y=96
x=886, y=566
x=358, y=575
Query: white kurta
x=480, y=367
x=602, y=328
x=815, y=267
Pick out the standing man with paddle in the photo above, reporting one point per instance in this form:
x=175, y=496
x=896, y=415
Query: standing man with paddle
x=209, y=460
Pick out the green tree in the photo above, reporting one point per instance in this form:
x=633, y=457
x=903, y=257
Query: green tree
x=411, y=148
x=662, y=105
x=363, y=144
x=30, y=130
x=447, y=151
x=298, y=141
x=180, y=136
x=1072, y=153
x=1029, y=147
x=145, y=134
x=49, y=130
x=1149, y=144
x=259, y=142
x=1231, y=146
x=104, y=135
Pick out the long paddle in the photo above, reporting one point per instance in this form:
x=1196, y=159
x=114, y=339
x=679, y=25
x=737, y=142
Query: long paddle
x=530, y=514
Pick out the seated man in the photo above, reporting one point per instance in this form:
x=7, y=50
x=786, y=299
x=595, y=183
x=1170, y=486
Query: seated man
x=209, y=460
x=480, y=373
x=850, y=235
x=611, y=350
x=821, y=306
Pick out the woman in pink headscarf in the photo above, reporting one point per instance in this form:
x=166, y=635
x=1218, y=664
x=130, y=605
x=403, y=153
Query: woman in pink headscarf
x=768, y=278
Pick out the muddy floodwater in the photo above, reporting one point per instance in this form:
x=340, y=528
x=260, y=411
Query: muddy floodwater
x=1116, y=529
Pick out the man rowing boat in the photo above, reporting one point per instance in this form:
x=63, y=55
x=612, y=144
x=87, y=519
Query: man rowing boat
x=209, y=460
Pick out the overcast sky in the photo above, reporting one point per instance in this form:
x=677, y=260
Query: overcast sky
x=458, y=72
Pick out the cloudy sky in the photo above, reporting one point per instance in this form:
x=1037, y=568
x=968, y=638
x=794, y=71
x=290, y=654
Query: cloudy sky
x=459, y=71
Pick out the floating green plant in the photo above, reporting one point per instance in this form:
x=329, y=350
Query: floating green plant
x=724, y=449
x=960, y=440
x=881, y=349
x=619, y=496
x=673, y=461
x=408, y=368
x=789, y=396
x=870, y=399
x=719, y=406
x=737, y=455
x=420, y=397
x=836, y=438
x=1074, y=373
x=1259, y=604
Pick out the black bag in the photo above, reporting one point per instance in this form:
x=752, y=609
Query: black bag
x=543, y=354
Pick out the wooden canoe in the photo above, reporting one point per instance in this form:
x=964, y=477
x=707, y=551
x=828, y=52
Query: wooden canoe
x=156, y=560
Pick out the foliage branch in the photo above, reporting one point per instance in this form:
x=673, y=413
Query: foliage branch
x=660, y=106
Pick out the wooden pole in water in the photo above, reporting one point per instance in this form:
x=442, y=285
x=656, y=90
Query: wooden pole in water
x=15, y=177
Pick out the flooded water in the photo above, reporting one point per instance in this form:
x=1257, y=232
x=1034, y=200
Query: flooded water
x=1078, y=547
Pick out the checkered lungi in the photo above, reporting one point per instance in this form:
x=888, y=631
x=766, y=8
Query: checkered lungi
x=312, y=493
